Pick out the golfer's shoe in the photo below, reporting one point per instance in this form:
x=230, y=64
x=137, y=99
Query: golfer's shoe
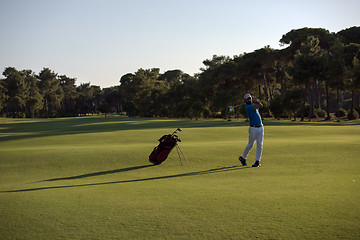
x=256, y=164
x=243, y=161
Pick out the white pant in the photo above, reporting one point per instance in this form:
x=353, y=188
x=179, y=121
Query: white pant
x=255, y=134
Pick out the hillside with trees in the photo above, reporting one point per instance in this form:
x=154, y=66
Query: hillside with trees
x=315, y=74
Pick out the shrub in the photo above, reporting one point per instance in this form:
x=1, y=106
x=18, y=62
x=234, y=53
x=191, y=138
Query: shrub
x=341, y=113
x=22, y=115
x=206, y=112
x=319, y=112
x=277, y=107
x=265, y=110
x=104, y=108
x=306, y=111
x=353, y=114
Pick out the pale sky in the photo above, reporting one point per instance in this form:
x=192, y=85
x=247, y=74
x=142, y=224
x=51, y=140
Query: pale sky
x=99, y=41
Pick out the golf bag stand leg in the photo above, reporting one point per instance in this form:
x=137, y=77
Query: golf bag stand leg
x=183, y=155
x=179, y=155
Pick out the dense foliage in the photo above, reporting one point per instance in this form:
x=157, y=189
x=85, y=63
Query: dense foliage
x=316, y=73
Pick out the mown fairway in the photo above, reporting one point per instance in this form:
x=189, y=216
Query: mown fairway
x=89, y=178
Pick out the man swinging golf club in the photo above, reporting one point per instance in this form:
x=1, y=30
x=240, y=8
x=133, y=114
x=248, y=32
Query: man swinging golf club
x=256, y=130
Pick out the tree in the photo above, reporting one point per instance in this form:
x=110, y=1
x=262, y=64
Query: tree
x=264, y=65
x=355, y=81
x=227, y=87
x=143, y=91
x=284, y=62
x=97, y=96
x=127, y=91
x=334, y=75
x=113, y=97
x=307, y=66
x=16, y=91
x=51, y=90
x=104, y=108
x=3, y=95
x=316, y=63
x=351, y=59
x=292, y=101
x=68, y=103
x=295, y=38
x=172, y=80
x=173, y=77
x=350, y=35
x=185, y=96
x=84, y=101
x=209, y=80
x=34, y=99
x=351, y=38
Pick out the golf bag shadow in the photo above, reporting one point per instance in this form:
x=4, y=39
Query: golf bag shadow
x=162, y=151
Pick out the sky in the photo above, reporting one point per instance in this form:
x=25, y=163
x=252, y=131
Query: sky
x=99, y=41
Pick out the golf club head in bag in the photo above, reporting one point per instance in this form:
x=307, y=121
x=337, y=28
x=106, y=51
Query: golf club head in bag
x=178, y=129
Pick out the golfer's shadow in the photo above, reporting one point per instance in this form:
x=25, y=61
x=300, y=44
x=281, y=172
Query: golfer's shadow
x=98, y=173
x=194, y=173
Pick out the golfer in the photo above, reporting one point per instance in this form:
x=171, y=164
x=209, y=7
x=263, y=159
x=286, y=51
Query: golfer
x=256, y=130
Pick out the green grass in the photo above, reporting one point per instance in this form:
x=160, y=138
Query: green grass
x=89, y=178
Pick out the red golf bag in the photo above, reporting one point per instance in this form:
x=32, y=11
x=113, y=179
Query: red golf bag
x=161, y=152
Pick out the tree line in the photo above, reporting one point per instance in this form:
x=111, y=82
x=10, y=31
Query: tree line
x=315, y=74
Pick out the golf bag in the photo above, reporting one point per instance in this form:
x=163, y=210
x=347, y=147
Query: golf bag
x=161, y=152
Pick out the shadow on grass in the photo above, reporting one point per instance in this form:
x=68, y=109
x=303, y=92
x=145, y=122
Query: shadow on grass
x=15, y=129
x=98, y=173
x=196, y=173
x=32, y=128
